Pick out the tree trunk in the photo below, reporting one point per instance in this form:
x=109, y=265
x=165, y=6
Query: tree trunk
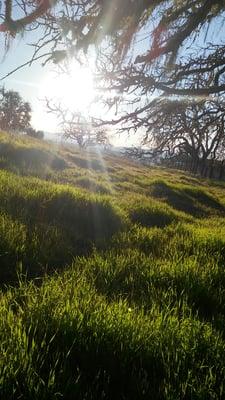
x=221, y=170
x=211, y=169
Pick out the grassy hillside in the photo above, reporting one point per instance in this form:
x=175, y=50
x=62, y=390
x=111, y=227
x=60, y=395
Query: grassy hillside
x=112, y=278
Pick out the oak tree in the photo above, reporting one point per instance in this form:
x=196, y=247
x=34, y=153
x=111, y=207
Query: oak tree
x=145, y=48
x=15, y=113
x=188, y=130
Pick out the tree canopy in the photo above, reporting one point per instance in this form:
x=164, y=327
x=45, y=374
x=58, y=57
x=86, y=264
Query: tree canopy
x=76, y=127
x=15, y=113
x=191, y=128
x=168, y=28
x=144, y=48
x=37, y=134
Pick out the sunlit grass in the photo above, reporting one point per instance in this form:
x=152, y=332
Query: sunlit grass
x=112, y=279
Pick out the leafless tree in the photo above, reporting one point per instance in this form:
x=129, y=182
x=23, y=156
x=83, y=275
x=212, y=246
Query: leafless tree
x=188, y=130
x=78, y=128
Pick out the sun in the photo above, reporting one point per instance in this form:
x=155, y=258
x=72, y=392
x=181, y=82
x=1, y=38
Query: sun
x=73, y=88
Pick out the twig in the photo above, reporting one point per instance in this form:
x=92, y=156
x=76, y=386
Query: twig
x=24, y=65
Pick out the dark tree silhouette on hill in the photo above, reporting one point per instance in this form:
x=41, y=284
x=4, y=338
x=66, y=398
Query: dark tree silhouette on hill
x=15, y=113
x=34, y=133
x=188, y=130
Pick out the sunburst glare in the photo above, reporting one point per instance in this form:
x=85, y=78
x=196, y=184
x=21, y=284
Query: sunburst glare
x=73, y=87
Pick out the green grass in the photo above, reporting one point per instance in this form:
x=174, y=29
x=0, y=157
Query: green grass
x=21, y=156
x=44, y=225
x=112, y=278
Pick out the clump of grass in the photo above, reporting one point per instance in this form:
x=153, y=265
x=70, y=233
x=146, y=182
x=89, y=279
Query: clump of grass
x=191, y=200
x=33, y=200
x=28, y=160
x=149, y=213
x=70, y=340
x=86, y=162
x=57, y=222
x=153, y=282
x=36, y=249
x=92, y=185
x=176, y=242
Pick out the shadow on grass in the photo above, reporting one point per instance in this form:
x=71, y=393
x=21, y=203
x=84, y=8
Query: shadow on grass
x=150, y=217
x=44, y=233
x=27, y=159
x=189, y=200
x=143, y=282
x=149, y=212
x=92, y=185
x=87, y=163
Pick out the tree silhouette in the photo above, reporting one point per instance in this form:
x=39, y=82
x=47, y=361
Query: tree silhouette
x=162, y=63
x=191, y=130
x=34, y=133
x=76, y=127
x=145, y=48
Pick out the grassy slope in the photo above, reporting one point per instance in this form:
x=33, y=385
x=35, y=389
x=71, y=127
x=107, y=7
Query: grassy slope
x=136, y=306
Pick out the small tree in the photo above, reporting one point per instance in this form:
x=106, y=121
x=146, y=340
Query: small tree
x=77, y=128
x=15, y=113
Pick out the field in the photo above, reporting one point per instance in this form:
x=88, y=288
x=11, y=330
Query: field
x=112, y=278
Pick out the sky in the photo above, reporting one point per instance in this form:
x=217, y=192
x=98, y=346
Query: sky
x=28, y=81
x=36, y=82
